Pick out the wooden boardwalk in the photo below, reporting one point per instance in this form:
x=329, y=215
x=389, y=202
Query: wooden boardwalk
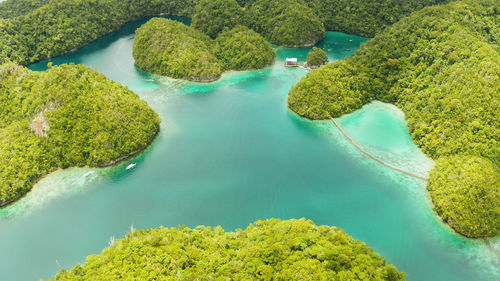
x=373, y=156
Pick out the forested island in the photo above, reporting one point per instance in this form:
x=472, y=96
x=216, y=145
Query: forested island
x=66, y=116
x=441, y=67
x=266, y=250
x=316, y=58
x=170, y=48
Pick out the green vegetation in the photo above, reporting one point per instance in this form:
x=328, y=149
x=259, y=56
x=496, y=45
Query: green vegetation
x=266, y=250
x=289, y=23
x=170, y=48
x=243, y=49
x=66, y=116
x=296, y=23
x=332, y=90
x=365, y=18
x=316, y=58
x=14, y=8
x=71, y=24
x=173, y=49
x=213, y=16
x=440, y=66
x=465, y=194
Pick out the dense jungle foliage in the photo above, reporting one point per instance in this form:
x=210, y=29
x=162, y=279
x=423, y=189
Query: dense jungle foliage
x=365, y=18
x=66, y=116
x=170, y=48
x=14, y=8
x=34, y=30
x=266, y=250
x=213, y=16
x=173, y=49
x=316, y=57
x=440, y=66
x=243, y=49
x=465, y=192
x=289, y=23
x=64, y=25
x=299, y=23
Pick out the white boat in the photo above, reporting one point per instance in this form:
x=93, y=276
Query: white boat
x=88, y=174
x=130, y=166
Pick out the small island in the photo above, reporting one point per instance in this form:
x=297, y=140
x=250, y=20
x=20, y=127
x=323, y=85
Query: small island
x=64, y=117
x=266, y=250
x=449, y=92
x=316, y=58
x=170, y=48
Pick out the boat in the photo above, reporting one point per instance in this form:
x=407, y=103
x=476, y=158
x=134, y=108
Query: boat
x=88, y=174
x=130, y=166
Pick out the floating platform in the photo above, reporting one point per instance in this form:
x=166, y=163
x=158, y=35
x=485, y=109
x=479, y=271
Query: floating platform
x=291, y=62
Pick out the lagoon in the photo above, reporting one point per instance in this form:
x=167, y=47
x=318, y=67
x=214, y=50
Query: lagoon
x=230, y=153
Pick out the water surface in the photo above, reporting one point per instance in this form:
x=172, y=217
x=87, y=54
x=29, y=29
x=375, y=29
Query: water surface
x=230, y=153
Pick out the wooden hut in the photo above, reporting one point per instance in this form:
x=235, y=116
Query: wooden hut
x=291, y=62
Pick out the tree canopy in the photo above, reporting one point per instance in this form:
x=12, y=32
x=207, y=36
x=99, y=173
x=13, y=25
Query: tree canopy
x=465, y=192
x=170, y=48
x=316, y=57
x=14, y=8
x=243, y=49
x=71, y=24
x=173, y=49
x=66, y=116
x=60, y=26
x=213, y=16
x=266, y=250
x=289, y=23
x=439, y=65
x=365, y=18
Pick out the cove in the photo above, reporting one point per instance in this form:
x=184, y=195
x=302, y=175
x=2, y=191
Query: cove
x=230, y=153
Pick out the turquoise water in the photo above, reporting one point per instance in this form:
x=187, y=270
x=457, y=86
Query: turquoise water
x=230, y=153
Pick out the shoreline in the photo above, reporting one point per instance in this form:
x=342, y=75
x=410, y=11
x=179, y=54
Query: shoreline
x=429, y=197
x=75, y=49
x=113, y=162
x=210, y=81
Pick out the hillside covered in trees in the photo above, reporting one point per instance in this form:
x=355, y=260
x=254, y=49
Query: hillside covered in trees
x=66, y=116
x=64, y=25
x=266, y=250
x=441, y=67
x=170, y=48
x=34, y=30
x=289, y=23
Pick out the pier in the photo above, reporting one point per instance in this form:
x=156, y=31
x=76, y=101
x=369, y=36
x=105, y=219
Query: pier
x=373, y=156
